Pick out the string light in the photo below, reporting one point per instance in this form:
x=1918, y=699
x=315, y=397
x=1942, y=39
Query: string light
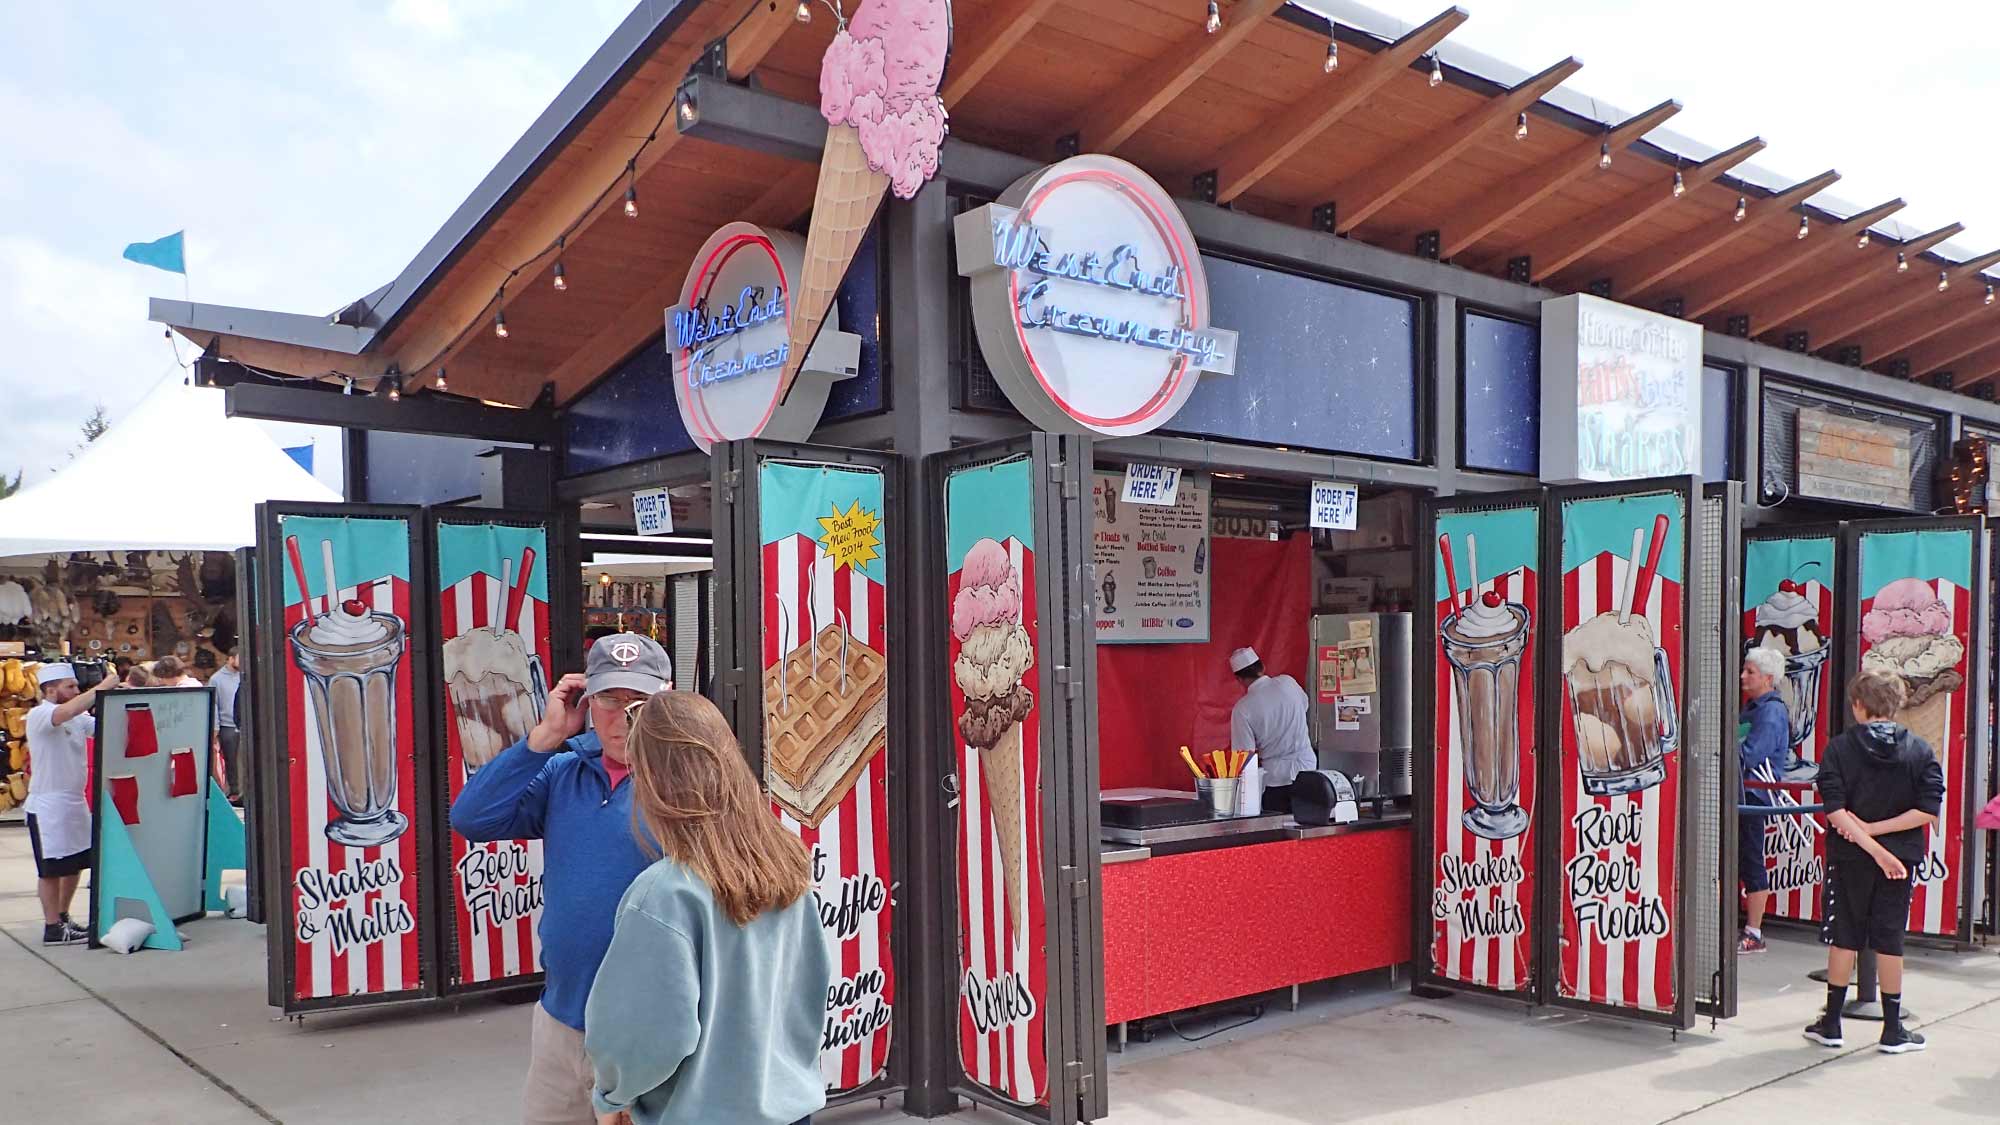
x=1902, y=263
x=1604, y=154
x=500, y=323
x=685, y=107
x=1680, y=185
x=804, y=12
x=1332, y=56
x=1944, y=280
x=1989, y=295
x=1437, y=71
x=1214, y=17
x=1861, y=241
x=348, y=389
x=395, y=388
x=1804, y=225
x=561, y=283
x=441, y=383
x=632, y=189
x=1521, y=127
x=1742, y=208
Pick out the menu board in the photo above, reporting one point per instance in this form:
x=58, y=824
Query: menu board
x=1152, y=565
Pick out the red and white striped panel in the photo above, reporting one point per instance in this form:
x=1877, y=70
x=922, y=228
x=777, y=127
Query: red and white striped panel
x=1934, y=900
x=1794, y=854
x=494, y=940
x=1003, y=978
x=1635, y=972
x=851, y=845
x=1485, y=954
x=385, y=915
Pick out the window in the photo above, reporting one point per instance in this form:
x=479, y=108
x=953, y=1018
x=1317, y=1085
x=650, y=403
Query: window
x=1718, y=418
x=1500, y=394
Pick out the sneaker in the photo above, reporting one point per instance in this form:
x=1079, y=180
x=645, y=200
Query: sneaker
x=1751, y=943
x=1825, y=1036
x=64, y=933
x=1900, y=1042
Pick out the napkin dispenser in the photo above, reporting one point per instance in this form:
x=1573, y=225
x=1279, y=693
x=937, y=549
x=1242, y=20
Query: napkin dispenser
x=1322, y=797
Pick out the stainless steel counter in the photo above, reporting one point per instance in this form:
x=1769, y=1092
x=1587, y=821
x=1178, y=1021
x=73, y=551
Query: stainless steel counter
x=1199, y=830
x=1109, y=853
x=1298, y=831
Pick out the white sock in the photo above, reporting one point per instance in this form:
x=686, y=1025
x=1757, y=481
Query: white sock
x=1754, y=932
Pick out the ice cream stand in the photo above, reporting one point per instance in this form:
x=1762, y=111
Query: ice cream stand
x=904, y=411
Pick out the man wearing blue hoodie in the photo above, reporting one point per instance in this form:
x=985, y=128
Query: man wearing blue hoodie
x=566, y=786
x=1765, y=746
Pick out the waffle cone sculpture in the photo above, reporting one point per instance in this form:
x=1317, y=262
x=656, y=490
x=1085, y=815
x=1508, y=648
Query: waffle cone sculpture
x=878, y=88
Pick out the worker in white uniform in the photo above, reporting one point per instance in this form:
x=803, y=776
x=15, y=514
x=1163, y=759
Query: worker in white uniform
x=1270, y=720
x=59, y=731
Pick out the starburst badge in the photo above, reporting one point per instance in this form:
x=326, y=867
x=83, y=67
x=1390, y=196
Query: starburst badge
x=851, y=537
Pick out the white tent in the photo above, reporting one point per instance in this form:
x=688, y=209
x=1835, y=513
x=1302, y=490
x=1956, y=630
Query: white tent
x=176, y=474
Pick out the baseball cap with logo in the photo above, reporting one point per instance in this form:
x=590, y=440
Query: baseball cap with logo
x=627, y=660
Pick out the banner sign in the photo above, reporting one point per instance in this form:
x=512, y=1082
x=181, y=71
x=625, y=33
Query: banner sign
x=825, y=693
x=1089, y=298
x=1483, y=784
x=1621, y=392
x=1788, y=607
x=351, y=899
x=1618, y=737
x=493, y=625
x=1152, y=564
x=1002, y=916
x=1916, y=619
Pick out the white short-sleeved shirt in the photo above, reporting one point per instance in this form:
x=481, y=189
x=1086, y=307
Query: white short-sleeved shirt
x=59, y=758
x=1271, y=719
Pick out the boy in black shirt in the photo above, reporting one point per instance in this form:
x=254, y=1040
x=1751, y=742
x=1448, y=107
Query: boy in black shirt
x=1883, y=789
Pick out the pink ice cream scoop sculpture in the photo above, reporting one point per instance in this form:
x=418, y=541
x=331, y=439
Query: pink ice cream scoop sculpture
x=989, y=590
x=1907, y=607
x=880, y=75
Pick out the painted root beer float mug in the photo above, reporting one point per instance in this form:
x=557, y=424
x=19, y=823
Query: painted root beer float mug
x=1621, y=693
x=349, y=656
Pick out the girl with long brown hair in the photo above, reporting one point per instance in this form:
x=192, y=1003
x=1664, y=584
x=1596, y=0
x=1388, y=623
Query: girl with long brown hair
x=709, y=1005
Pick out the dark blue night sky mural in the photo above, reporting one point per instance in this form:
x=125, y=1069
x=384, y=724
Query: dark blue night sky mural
x=1500, y=399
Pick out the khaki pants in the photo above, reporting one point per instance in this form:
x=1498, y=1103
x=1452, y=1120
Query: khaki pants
x=559, y=1075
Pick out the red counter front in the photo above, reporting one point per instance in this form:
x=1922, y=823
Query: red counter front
x=1212, y=925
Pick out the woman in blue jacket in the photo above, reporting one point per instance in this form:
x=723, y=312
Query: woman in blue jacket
x=1766, y=745
x=710, y=1004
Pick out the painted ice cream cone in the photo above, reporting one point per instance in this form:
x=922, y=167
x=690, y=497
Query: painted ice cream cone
x=1909, y=633
x=878, y=88
x=1927, y=719
x=994, y=655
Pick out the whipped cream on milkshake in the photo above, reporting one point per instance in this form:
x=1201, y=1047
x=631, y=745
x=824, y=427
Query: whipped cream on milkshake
x=350, y=657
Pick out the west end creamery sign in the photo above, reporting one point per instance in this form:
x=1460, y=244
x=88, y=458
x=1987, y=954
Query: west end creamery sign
x=1089, y=298
x=1621, y=392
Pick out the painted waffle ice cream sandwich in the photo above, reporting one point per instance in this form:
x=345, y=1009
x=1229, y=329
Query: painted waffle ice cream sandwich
x=826, y=715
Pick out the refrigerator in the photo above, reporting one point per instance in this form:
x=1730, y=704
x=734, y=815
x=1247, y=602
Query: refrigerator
x=1360, y=694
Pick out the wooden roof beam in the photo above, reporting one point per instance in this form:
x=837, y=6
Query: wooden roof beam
x=1809, y=293
x=1385, y=180
x=1265, y=146
x=1482, y=212
x=1942, y=353
x=1650, y=268
x=524, y=239
x=1977, y=368
x=1849, y=319
x=1725, y=284
x=1951, y=309
x=1571, y=241
x=985, y=41
x=1112, y=121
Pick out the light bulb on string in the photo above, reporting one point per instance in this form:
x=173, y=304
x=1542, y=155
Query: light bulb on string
x=1742, y=208
x=1604, y=154
x=1521, y=127
x=1804, y=225
x=1944, y=280
x=684, y=106
x=500, y=324
x=1989, y=295
x=441, y=383
x=632, y=189
x=1214, y=17
x=1680, y=184
x=1902, y=263
x=1332, y=56
x=804, y=12
x=395, y=388
x=1437, y=71
x=1861, y=241
x=559, y=281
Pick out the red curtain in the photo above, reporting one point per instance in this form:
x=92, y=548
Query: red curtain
x=1153, y=699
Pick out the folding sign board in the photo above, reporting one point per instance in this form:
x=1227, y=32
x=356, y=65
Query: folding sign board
x=149, y=805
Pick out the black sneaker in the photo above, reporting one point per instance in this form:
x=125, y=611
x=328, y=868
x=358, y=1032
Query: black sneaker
x=1826, y=1036
x=1901, y=1041
x=64, y=933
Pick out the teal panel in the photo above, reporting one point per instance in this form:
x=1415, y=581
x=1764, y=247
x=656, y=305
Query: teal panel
x=1767, y=562
x=1889, y=555
x=465, y=549
x=120, y=875
x=365, y=548
x=794, y=499
x=1507, y=539
x=993, y=501
x=1605, y=523
x=225, y=848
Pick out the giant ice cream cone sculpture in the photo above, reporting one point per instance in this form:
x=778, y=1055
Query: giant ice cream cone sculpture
x=878, y=86
x=994, y=654
x=1909, y=633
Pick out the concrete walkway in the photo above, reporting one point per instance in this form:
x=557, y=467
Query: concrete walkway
x=88, y=1036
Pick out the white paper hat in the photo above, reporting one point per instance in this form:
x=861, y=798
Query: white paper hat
x=53, y=673
x=1242, y=658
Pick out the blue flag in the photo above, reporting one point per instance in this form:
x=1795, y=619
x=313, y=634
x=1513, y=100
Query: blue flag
x=161, y=254
x=303, y=454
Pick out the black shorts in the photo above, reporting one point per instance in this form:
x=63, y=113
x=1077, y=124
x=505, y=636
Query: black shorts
x=1750, y=852
x=58, y=866
x=1865, y=909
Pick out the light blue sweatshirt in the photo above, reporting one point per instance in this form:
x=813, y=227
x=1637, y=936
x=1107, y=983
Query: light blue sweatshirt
x=694, y=1020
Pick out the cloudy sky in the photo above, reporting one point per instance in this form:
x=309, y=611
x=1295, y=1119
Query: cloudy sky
x=310, y=149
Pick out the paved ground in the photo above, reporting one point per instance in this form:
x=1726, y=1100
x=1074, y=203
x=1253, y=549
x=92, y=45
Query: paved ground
x=88, y=1036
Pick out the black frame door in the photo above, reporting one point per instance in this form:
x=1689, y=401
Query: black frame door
x=1968, y=774
x=252, y=738
x=1485, y=858
x=1043, y=481
x=1621, y=828
x=753, y=609
x=280, y=761
x=1714, y=770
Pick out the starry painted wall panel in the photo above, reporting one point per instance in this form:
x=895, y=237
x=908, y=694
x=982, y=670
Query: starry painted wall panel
x=1319, y=366
x=1499, y=402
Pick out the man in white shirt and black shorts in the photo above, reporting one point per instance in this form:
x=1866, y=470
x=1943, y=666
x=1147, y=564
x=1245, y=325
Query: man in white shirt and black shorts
x=1270, y=719
x=59, y=731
